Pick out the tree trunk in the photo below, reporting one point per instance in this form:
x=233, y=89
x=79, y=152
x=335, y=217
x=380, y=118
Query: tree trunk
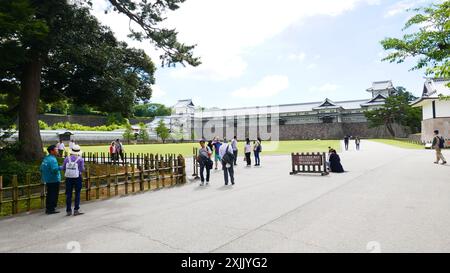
x=29, y=134
x=390, y=129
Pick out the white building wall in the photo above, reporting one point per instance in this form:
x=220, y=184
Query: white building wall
x=443, y=109
x=427, y=110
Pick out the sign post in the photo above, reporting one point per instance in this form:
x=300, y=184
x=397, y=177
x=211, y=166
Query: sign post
x=309, y=163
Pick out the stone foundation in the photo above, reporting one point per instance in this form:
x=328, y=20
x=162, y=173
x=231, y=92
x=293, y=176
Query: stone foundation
x=430, y=125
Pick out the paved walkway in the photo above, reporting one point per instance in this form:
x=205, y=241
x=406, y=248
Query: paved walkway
x=390, y=200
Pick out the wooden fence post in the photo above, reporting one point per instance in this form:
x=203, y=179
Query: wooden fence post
x=88, y=183
x=108, y=181
x=157, y=170
x=171, y=160
x=132, y=178
x=1, y=194
x=15, y=195
x=97, y=184
x=126, y=179
x=116, y=180
x=28, y=183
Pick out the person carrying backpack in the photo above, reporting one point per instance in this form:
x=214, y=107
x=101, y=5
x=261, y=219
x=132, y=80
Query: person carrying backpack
x=227, y=156
x=438, y=145
x=73, y=166
x=204, y=159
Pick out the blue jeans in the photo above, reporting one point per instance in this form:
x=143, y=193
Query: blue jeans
x=257, y=159
x=72, y=183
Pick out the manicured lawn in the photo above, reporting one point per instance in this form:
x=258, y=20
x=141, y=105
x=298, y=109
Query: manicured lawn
x=399, y=143
x=185, y=149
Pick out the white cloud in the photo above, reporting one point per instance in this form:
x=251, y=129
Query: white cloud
x=158, y=92
x=267, y=87
x=328, y=87
x=402, y=6
x=226, y=29
x=299, y=57
x=312, y=66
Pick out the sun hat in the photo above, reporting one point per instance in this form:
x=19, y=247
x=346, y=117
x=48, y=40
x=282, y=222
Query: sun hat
x=76, y=150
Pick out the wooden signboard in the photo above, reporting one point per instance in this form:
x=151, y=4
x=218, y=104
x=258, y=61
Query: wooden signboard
x=309, y=163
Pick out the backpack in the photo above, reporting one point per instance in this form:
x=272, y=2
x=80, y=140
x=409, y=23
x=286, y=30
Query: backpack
x=228, y=157
x=441, y=142
x=72, y=168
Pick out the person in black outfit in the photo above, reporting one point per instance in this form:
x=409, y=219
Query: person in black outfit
x=335, y=162
x=346, y=142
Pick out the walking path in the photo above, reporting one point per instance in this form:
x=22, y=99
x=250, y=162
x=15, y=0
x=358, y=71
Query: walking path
x=390, y=200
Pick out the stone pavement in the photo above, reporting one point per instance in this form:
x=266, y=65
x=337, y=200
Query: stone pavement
x=390, y=200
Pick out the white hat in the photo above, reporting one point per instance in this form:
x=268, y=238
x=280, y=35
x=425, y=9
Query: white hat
x=76, y=150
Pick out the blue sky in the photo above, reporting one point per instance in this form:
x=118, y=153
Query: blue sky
x=258, y=52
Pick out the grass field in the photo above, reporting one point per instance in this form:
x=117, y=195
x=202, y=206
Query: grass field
x=398, y=143
x=185, y=149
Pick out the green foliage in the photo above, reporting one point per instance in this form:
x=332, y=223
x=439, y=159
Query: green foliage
x=43, y=125
x=10, y=165
x=143, y=133
x=430, y=44
x=151, y=110
x=397, y=109
x=162, y=131
x=116, y=119
x=78, y=127
x=128, y=135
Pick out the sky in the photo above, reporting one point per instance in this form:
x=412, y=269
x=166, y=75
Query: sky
x=261, y=52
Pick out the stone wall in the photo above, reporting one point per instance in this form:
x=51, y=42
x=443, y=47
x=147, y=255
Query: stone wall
x=310, y=131
x=86, y=120
x=336, y=131
x=430, y=125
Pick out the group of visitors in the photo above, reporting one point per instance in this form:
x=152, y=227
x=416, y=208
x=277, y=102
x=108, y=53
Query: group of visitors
x=347, y=139
x=73, y=166
x=116, y=151
x=227, y=154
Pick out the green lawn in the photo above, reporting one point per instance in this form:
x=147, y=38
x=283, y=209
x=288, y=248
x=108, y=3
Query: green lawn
x=399, y=143
x=275, y=148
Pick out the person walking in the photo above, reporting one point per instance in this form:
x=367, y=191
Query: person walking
x=358, y=143
x=61, y=148
x=217, y=144
x=248, y=152
x=119, y=150
x=51, y=177
x=71, y=144
x=438, y=145
x=227, y=157
x=73, y=166
x=112, y=152
x=204, y=159
x=346, y=142
x=234, y=146
x=257, y=149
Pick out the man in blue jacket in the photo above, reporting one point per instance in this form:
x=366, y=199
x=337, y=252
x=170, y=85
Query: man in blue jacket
x=51, y=176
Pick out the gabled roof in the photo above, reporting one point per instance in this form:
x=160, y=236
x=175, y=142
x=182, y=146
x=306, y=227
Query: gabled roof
x=381, y=85
x=378, y=100
x=184, y=103
x=436, y=87
x=326, y=104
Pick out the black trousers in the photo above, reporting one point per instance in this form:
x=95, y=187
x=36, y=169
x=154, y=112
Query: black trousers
x=235, y=153
x=346, y=145
x=202, y=170
x=226, y=172
x=248, y=158
x=51, y=199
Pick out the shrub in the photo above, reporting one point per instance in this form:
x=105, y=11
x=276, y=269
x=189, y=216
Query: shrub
x=43, y=125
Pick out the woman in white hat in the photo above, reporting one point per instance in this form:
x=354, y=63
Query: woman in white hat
x=73, y=166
